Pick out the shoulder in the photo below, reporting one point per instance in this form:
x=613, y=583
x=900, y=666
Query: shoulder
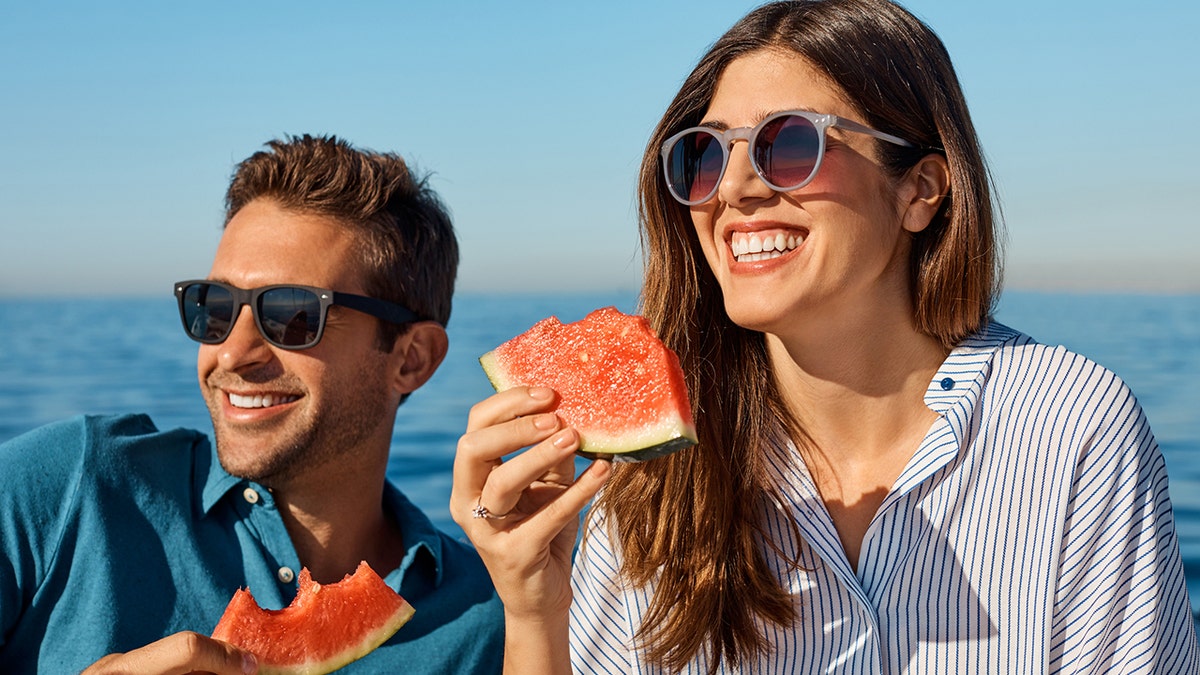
x=459, y=620
x=70, y=480
x=96, y=434
x=1035, y=395
x=49, y=451
x=1024, y=375
x=435, y=557
x=98, y=447
x=47, y=468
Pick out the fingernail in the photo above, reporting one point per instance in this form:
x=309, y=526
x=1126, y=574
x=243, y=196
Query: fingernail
x=540, y=393
x=249, y=663
x=564, y=439
x=546, y=421
x=600, y=468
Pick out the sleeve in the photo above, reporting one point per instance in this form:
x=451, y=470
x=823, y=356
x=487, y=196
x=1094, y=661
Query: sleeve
x=601, y=628
x=1121, y=604
x=41, y=472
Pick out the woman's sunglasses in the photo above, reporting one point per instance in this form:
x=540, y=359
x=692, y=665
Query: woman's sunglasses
x=785, y=150
x=289, y=317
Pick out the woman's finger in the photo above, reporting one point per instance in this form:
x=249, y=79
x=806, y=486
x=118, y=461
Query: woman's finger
x=480, y=452
x=551, y=461
x=499, y=425
x=564, y=509
x=509, y=405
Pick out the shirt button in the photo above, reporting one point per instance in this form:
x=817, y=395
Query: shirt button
x=947, y=384
x=250, y=495
x=286, y=575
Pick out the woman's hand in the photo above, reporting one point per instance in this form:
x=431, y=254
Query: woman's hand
x=532, y=503
x=177, y=654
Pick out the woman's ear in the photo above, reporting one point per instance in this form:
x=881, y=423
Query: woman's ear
x=925, y=187
x=416, y=355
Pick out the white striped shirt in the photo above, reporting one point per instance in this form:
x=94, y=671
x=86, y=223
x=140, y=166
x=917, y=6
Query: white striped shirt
x=1031, y=532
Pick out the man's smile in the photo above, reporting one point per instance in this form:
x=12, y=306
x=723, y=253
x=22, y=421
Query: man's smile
x=259, y=400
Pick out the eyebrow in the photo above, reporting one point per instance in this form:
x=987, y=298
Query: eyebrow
x=759, y=116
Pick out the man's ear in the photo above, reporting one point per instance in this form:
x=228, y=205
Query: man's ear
x=416, y=355
x=924, y=189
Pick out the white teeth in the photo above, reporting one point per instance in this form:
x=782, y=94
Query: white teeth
x=259, y=400
x=752, y=247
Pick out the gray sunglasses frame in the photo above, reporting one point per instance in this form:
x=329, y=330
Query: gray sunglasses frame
x=820, y=121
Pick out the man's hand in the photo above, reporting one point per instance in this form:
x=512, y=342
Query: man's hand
x=178, y=654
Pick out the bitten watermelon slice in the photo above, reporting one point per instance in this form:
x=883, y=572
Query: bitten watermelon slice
x=325, y=627
x=618, y=384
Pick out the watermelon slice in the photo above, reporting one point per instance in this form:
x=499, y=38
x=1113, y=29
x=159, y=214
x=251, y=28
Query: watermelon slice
x=325, y=627
x=618, y=384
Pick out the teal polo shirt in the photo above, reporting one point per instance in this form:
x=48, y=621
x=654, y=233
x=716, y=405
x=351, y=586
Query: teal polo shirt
x=114, y=534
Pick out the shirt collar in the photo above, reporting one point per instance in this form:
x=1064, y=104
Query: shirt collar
x=422, y=542
x=212, y=481
x=959, y=381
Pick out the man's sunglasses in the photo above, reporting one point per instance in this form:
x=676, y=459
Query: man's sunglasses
x=288, y=316
x=785, y=150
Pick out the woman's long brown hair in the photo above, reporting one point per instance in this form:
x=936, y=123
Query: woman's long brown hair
x=690, y=523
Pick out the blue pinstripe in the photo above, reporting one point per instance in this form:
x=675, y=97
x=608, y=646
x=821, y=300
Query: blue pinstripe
x=1031, y=532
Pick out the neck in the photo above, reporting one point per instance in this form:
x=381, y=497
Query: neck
x=336, y=520
x=857, y=391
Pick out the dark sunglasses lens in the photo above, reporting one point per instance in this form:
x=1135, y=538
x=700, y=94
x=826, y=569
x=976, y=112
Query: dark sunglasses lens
x=207, y=312
x=786, y=150
x=694, y=166
x=290, y=317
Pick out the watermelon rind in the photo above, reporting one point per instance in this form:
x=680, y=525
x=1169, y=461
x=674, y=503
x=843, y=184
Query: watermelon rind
x=495, y=374
x=644, y=454
x=671, y=428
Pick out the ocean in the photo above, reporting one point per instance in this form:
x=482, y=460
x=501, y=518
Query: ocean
x=62, y=357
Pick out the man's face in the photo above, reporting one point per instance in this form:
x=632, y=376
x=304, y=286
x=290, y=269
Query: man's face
x=278, y=413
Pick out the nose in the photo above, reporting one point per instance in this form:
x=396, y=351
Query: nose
x=245, y=345
x=741, y=184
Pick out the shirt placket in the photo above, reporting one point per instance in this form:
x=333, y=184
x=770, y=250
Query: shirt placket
x=832, y=580
x=257, y=508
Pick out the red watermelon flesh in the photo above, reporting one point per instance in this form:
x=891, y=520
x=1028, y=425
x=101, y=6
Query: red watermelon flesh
x=618, y=384
x=325, y=627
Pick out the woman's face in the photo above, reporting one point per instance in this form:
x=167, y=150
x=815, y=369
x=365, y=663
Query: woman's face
x=845, y=247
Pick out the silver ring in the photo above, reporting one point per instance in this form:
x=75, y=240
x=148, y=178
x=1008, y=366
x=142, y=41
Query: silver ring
x=481, y=511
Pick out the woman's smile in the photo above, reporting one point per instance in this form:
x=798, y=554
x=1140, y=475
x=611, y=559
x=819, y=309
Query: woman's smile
x=766, y=245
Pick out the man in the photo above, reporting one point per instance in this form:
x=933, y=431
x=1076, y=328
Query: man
x=115, y=534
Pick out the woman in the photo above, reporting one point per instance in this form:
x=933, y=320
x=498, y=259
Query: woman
x=885, y=479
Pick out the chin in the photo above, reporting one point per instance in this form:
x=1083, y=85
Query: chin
x=250, y=458
x=238, y=461
x=761, y=316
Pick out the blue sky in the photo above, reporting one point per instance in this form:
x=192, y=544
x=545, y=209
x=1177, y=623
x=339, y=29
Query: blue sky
x=123, y=121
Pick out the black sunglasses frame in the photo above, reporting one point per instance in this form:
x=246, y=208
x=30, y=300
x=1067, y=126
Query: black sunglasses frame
x=380, y=309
